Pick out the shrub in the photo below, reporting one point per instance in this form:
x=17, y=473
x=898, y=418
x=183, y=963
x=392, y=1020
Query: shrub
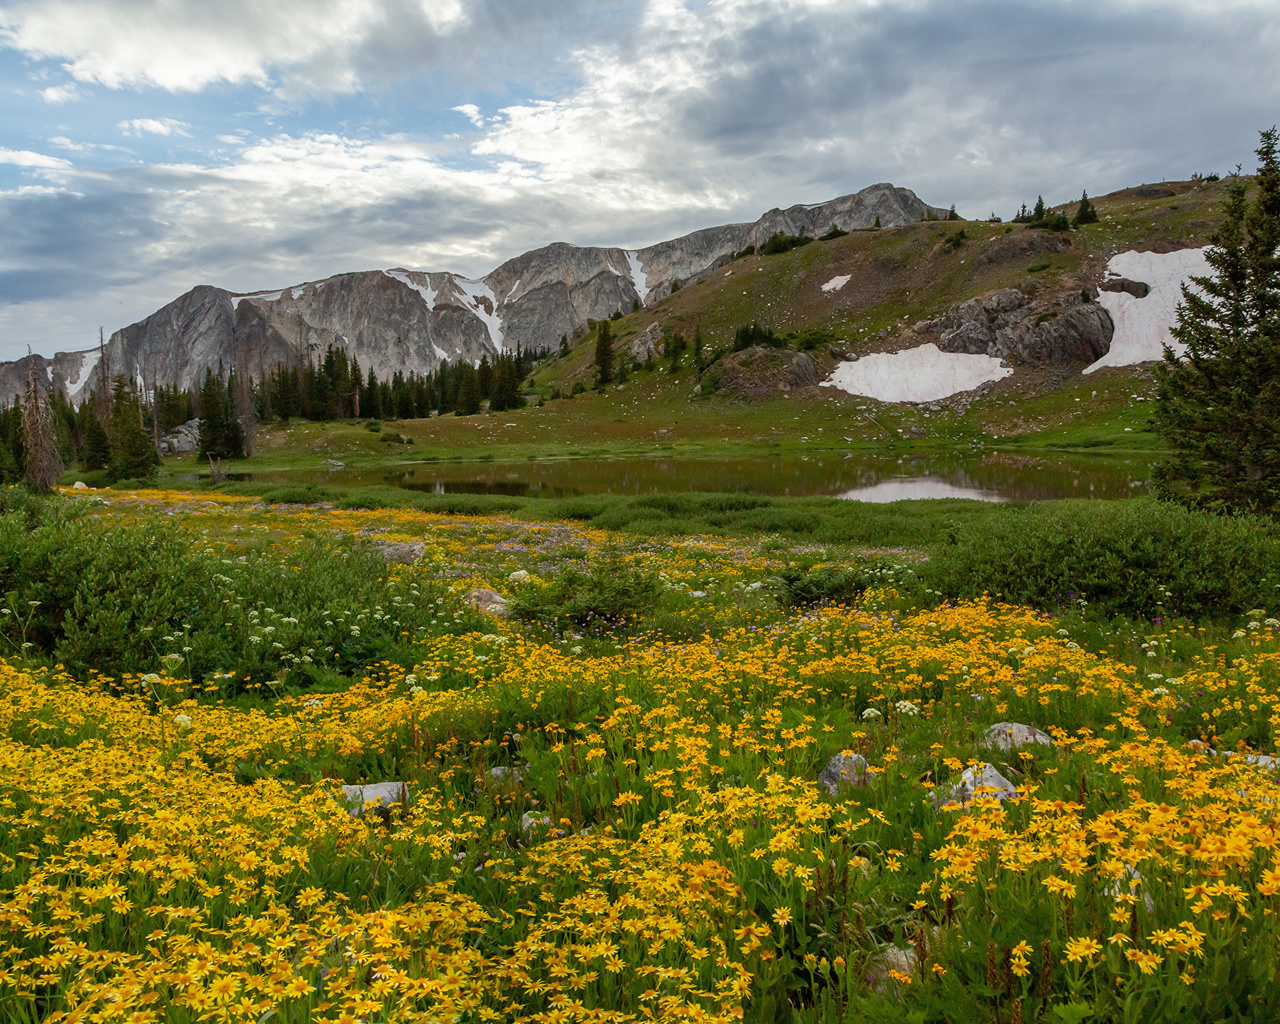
x=834, y=232
x=780, y=243
x=609, y=593
x=1140, y=558
x=830, y=584
x=754, y=334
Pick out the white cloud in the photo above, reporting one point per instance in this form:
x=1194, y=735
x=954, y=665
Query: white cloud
x=184, y=45
x=25, y=158
x=472, y=113
x=152, y=126
x=60, y=93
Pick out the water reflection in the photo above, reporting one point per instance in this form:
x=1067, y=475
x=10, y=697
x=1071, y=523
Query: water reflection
x=861, y=476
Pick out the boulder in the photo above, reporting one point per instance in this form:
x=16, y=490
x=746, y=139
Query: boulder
x=487, y=601
x=1138, y=289
x=1009, y=735
x=846, y=770
x=182, y=439
x=79, y=485
x=402, y=552
x=532, y=822
x=758, y=373
x=972, y=780
x=381, y=794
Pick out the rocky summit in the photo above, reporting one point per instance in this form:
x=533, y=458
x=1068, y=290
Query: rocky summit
x=402, y=319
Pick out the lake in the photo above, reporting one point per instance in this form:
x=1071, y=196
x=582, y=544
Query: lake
x=861, y=476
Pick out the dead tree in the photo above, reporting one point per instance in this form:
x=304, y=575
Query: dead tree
x=42, y=464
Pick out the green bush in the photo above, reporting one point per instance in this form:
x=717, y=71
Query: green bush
x=115, y=599
x=780, y=243
x=839, y=584
x=1141, y=558
x=604, y=597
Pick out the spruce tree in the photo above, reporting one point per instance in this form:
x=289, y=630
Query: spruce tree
x=697, y=349
x=133, y=456
x=604, y=354
x=1037, y=215
x=1216, y=405
x=97, y=447
x=1085, y=213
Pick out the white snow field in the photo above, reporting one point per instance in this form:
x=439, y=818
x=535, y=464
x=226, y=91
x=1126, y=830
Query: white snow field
x=922, y=374
x=836, y=283
x=1142, y=325
x=905, y=488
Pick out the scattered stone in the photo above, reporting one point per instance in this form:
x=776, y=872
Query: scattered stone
x=487, y=601
x=402, y=552
x=1008, y=735
x=79, y=485
x=381, y=793
x=987, y=779
x=846, y=770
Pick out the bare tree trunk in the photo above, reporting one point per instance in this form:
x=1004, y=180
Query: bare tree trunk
x=43, y=464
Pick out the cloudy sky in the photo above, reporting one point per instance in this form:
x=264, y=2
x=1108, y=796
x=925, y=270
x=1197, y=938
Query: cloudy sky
x=151, y=145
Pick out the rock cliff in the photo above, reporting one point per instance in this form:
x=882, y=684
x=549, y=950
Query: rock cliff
x=400, y=319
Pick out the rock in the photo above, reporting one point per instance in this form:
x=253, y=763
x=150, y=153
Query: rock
x=757, y=373
x=1008, y=735
x=647, y=345
x=487, y=601
x=845, y=770
x=182, y=439
x=1138, y=289
x=972, y=780
x=402, y=552
x=79, y=485
x=381, y=793
x=532, y=821
x=1007, y=325
x=518, y=575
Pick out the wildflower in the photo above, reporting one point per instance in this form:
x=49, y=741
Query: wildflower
x=905, y=707
x=182, y=722
x=1082, y=949
x=782, y=916
x=870, y=714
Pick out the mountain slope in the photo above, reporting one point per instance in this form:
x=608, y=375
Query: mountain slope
x=400, y=319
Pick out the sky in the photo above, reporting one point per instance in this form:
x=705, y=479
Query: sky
x=148, y=146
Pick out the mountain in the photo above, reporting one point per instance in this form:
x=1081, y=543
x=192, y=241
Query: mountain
x=400, y=319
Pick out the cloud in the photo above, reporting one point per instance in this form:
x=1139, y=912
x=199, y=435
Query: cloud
x=25, y=158
x=672, y=116
x=152, y=126
x=60, y=93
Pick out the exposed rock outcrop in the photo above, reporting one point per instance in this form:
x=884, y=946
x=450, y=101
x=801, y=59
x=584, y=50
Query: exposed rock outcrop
x=182, y=440
x=399, y=319
x=1010, y=326
x=757, y=373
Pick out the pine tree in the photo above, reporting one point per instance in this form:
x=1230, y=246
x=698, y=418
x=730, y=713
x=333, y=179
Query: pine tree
x=1037, y=215
x=133, y=456
x=97, y=447
x=1215, y=406
x=468, y=401
x=951, y=214
x=697, y=349
x=41, y=463
x=1085, y=213
x=604, y=354
x=876, y=225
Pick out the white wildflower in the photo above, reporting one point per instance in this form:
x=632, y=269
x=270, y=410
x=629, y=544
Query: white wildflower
x=905, y=707
x=182, y=722
x=870, y=714
x=1159, y=691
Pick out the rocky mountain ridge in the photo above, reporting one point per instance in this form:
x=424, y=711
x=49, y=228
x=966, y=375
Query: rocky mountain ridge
x=399, y=319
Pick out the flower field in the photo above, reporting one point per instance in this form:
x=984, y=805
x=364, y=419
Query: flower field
x=628, y=823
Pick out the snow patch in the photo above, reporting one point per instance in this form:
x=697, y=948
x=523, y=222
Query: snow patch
x=85, y=370
x=639, y=279
x=261, y=296
x=836, y=283
x=1142, y=325
x=440, y=353
x=296, y=292
x=513, y=291
x=473, y=292
x=426, y=291
x=922, y=374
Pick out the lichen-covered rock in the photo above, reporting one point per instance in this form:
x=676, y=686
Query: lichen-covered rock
x=402, y=552
x=1009, y=735
x=487, y=601
x=978, y=783
x=182, y=439
x=845, y=770
x=380, y=793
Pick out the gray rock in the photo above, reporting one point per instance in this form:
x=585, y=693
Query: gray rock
x=757, y=373
x=1138, y=289
x=1006, y=324
x=532, y=822
x=380, y=793
x=845, y=770
x=79, y=485
x=973, y=779
x=1009, y=735
x=182, y=439
x=402, y=552
x=487, y=601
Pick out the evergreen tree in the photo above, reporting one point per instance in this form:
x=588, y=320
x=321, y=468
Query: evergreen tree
x=697, y=349
x=133, y=456
x=876, y=225
x=97, y=447
x=484, y=376
x=951, y=214
x=1037, y=215
x=1085, y=213
x=221, y=433
x=468, y=400
x=1216, y=405
x=604, y=354
x=675, y=349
